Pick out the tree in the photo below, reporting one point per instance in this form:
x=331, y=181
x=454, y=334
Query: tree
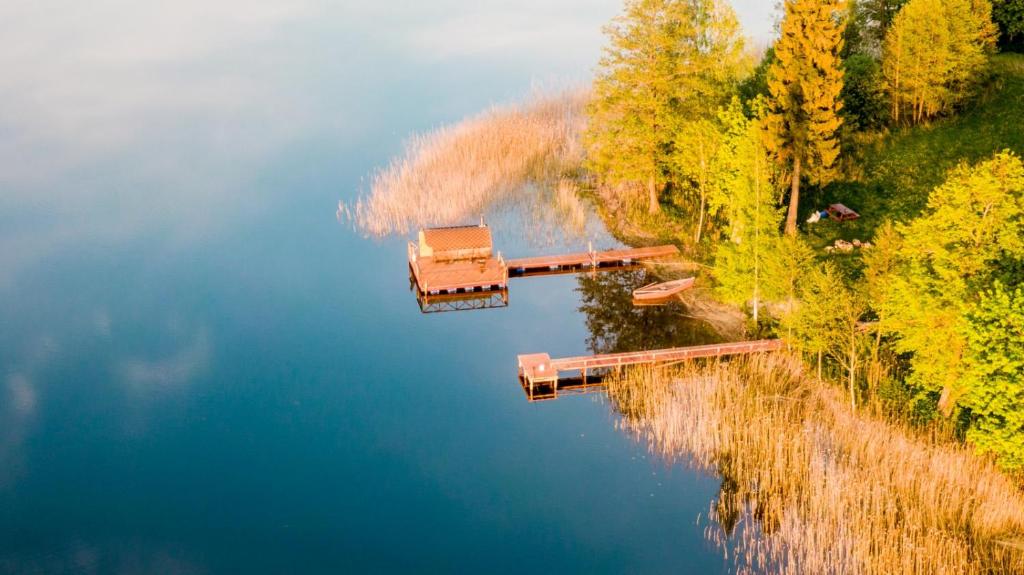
x=917, y=59
x=668, y=60
x=995, y=376
x=971, y=235
x=869, y=20
x=805, y=83
x=1009, y=15
x=815, y=324
x=697, y=147
x=934, y=54
x=756, y=83
x=881, y=262
x=864, y=97
x=785, y=267
x=744, y=194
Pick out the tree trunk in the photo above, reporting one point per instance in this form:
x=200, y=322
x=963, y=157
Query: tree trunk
x=876, y=368
x=819, y=366
x=700, y=221
x=757, y=303
x=652, y=196
x=794, y=199
x=853, y=368
x=703, y=196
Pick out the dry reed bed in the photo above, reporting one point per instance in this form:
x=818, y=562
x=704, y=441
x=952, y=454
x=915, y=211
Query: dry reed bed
x=452, y=175
x=812, y=486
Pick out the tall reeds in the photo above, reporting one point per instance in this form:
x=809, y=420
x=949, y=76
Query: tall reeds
x=454, y=174
x=812, y=486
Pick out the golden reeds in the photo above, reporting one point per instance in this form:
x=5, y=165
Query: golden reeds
x=812, y=486
x=452, y=175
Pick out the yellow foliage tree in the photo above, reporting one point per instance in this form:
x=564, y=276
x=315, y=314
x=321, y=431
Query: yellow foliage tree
x=805, y=82
x=933, y=54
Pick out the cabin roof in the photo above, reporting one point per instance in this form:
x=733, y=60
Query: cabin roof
x=458, y=238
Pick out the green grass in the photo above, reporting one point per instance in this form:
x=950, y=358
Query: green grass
x=892, y=176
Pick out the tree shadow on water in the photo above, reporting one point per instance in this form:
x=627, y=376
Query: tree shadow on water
x=616, y=325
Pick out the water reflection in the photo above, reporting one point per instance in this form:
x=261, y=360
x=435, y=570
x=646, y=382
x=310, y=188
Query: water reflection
x=17, y=410
x=172, y=371
x=616, y=325
x=460, y=302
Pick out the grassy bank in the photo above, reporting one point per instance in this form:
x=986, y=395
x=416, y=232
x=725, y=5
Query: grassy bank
x=454, y=174
x=891, y=175
x=810, y=486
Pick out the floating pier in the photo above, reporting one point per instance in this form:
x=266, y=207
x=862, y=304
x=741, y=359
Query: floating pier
x=457, y=260
x=540, y=374
x=460, y=260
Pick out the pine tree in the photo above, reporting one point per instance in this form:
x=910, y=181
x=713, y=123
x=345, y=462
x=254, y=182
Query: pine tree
x=669, y=61
x=805, y=84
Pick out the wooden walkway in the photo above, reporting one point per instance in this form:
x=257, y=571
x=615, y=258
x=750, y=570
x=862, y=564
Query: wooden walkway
x=589, y=260
x=539, y=371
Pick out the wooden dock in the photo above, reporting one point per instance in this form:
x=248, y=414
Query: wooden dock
x=589, y=260
x=435, y=277
x=457, y=277
x=460, y=260
x=538, y=372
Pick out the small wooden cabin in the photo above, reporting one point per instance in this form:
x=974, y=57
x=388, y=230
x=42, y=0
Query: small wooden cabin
x=456, y=243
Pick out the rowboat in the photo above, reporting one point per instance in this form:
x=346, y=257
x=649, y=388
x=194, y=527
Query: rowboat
x=659, y=292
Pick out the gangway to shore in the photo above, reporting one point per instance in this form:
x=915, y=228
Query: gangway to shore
x=540, y=374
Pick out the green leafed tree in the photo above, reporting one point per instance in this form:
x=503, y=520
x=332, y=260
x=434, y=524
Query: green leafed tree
x=994, y=378
x=698, y=144
x=667, y=62
x=743, y=195
x=869, y=20
x=971, y=235
x=1009, y=15
x=814, y=325
x=805, y=83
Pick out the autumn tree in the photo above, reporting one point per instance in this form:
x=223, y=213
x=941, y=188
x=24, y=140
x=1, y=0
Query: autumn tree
x=933, y=55
x=668, y=62
x=805, y=82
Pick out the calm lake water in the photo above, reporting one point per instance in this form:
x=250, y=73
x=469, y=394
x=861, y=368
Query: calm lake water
x=202, y=371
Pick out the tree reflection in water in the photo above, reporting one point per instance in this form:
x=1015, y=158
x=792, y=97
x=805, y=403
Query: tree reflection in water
x=616, y=325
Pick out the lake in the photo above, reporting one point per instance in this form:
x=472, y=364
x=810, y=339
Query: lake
x=203, y=371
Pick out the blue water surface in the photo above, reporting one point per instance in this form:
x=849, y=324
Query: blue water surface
x=203, y=371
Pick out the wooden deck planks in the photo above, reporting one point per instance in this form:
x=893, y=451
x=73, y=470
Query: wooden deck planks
x=592, y=258
x=665, y=355
x=552, y=368
x=451, y=277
